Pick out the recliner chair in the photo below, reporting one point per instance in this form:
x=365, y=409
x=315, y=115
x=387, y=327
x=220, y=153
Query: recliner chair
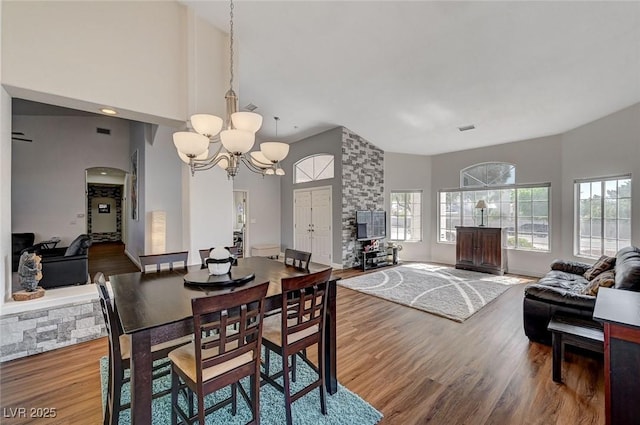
x=65, y=266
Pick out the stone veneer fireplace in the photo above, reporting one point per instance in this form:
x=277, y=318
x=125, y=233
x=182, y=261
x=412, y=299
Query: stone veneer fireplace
x=64, y=316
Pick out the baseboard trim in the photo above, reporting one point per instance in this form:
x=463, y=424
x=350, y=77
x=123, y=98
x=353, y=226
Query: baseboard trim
x=132, y=258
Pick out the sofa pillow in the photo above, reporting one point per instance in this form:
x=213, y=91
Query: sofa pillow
x=606, y=279
x=603, y=264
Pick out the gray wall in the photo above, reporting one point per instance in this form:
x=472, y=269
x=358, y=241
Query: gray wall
x=536, y=161
x=329, y=142
x=48, y=175
x=263, y=206
x=397, y=177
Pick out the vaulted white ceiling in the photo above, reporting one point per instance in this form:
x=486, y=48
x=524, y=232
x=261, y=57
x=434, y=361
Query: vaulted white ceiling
x=406, y=75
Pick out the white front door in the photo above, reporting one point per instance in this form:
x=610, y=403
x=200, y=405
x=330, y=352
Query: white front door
x=312, y=223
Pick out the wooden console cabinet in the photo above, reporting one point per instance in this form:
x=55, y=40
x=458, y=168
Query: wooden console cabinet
x=619, y=310
x=480, y=249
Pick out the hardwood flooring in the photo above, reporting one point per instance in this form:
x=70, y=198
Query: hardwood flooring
x=416, y=368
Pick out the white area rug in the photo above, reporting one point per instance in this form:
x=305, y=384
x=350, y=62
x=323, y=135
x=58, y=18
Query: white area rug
x=445, y=291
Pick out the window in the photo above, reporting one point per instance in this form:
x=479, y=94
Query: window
x=488, y=174
x=312, y=168
x=603, y=216
x=406, y=216
x=522, y=210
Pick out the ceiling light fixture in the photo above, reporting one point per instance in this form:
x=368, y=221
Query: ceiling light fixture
x=235, y=141
x=108, y=111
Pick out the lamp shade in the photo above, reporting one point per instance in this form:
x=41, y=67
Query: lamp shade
x=200, y=157
x=207, y=125
x=237, y=141
x=269, y=172
x=247, y=121
x=274, y=151
x=259, y=160
x=481, y=204
x=279, y=172
x=190, y=144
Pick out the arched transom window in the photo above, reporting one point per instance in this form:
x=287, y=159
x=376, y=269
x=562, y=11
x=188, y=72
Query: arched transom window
x=488, y=174
x=312, y=168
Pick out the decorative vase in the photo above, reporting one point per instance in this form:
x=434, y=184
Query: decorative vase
x=219, y=261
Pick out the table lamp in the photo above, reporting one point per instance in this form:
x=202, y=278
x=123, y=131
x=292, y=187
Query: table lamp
x=481, y=205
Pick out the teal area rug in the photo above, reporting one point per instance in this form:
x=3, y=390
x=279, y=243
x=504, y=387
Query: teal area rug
x=344, y=407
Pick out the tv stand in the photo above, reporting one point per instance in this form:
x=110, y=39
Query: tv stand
x=380, y=257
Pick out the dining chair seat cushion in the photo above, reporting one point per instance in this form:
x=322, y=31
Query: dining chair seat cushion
x=125, y=344
x=271, y=330
x=184, y=358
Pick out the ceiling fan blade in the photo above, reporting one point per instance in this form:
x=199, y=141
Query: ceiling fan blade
x=18, y=133
x=21, y=139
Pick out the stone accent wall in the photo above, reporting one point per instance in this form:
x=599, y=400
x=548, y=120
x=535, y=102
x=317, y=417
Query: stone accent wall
x=105, y=191
x=33, y=332
x=362, y=188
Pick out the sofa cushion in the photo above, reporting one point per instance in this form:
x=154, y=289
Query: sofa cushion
x=606, y=279
x=603, y=264
x=628, y=269
x=562, y=288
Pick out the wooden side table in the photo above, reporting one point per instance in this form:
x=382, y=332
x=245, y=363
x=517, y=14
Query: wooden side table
x=619, y=310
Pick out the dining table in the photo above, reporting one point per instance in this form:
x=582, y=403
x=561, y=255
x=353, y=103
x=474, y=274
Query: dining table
x=156, y=307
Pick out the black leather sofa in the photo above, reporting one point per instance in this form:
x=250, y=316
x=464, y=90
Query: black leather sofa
x=65, y=266
x=19, y=242
x=559, y=292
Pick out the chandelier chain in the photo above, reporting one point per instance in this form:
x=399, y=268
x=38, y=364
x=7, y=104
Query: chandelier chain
x=231, y=45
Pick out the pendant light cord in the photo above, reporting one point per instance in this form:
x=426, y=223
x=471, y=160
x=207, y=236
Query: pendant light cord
x=231, y=44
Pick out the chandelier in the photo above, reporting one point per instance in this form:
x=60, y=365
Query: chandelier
x=234, y=142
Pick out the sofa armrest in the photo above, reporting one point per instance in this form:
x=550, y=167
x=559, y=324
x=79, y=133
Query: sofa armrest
x=574, y=267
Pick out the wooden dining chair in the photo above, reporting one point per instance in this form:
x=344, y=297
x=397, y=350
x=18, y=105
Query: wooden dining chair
x=297, y=259
x=214, y=362
x=120, y=355
x=171, y=259
x=304, y=300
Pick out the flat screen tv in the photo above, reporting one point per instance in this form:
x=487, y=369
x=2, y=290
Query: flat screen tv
x=371, y=224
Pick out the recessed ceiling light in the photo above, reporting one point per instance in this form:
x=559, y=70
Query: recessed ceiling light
x=108, y=111
x=467, y=127
x=104, y=173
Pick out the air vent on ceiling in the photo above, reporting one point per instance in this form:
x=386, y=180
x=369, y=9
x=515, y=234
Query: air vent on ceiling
x=250, y=107
x=100, y=130
x=467, y=127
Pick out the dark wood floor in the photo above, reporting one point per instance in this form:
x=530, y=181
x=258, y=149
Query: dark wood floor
x=414, y=367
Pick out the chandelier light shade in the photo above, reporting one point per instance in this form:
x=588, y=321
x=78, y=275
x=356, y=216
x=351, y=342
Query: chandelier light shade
x=234, y=142
x=237, y=141
x=274, y=151
x=207, y=125
x=200, y=157
x=190, y=144
x=247, y=121
x=259, y=160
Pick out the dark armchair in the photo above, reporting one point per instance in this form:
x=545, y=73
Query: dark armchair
x=19, y=242
x=65, y=266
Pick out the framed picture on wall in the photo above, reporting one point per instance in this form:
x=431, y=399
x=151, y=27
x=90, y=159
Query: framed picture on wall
x=104, y=208
x=134, y=185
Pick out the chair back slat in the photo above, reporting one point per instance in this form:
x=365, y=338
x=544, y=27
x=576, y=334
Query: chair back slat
x=216, y=315
x=110, y=318
x=171, y=259
x=297, y=259
x=304, y=299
